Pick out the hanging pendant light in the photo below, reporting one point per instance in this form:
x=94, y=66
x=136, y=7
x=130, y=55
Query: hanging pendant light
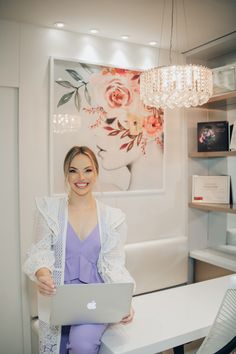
x=176, y=85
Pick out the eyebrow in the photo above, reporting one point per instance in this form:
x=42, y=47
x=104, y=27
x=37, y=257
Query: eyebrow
x=74, y=168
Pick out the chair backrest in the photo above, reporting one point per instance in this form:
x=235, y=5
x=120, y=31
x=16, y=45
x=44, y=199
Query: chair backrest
x=223, y=331
x=158, y=264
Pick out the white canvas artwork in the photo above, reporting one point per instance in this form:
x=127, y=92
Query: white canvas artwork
x=99, y=106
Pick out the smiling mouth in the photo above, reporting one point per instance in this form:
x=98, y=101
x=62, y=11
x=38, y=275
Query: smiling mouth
x=81, y=185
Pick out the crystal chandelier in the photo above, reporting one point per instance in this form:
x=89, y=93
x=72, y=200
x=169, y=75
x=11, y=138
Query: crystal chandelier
x=176, y=85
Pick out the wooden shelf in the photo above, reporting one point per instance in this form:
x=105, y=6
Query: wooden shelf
x=221, y=100
x=215, y=257
x=222, y=96
x=223, y=208
x=212, y=154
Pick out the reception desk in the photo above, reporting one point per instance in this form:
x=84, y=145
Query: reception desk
x=167, y=318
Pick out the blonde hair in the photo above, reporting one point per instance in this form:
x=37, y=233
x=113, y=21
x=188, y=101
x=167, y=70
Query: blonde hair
x=79, y=150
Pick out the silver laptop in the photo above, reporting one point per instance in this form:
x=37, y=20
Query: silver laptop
x=86, y=303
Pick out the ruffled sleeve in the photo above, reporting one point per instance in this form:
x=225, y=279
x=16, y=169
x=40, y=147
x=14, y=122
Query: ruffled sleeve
x=39, y=254
x=112, y=258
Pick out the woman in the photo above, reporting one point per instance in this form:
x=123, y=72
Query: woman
x=78, y=240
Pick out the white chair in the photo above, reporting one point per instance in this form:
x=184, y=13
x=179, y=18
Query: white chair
x=221, y=338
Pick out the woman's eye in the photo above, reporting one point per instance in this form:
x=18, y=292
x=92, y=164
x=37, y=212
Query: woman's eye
x=71, y=171
x=89, y=170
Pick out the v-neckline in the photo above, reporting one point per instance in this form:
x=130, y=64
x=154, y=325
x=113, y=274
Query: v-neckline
x=77, y=236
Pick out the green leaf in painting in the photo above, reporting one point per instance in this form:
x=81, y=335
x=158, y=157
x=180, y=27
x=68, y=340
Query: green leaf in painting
x=65, y=98
x=110, y=120
x=74, y=74
x=77, y=100
x=66, y=84
x=87, y=95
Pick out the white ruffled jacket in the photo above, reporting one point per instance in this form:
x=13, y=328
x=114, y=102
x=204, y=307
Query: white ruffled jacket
x=49, y=251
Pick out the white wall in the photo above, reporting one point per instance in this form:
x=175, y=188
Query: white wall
x=10, y=276
x=26, y=64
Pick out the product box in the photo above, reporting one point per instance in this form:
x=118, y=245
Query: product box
x=213, y=136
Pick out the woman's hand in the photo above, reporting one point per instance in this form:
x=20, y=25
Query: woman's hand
x=129, y=318
x=45, y=282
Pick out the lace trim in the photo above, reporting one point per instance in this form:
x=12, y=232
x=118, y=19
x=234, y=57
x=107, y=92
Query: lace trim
x=38, y=260
x=48, y=338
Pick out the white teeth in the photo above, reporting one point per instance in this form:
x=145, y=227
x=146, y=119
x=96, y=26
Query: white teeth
x=81, y=185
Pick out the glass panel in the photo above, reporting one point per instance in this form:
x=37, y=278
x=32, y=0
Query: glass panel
x=224, y=79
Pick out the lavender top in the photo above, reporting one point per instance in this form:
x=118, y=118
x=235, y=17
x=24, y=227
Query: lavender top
x=81, y=257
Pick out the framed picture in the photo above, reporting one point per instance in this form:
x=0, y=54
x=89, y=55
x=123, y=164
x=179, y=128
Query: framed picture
x=211, y=189
x=99, y=106
x=213, y=136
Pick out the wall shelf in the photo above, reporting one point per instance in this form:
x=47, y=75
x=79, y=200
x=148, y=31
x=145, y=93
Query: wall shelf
x=222, y=96
x=215, y=257
x=212, y=231
x=223, y=208
x=221, y=100
x=212, y=154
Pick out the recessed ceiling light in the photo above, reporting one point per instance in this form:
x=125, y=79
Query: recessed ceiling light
x=94, y=31
x=153, y=43
x=59, y=24
x=124, y=36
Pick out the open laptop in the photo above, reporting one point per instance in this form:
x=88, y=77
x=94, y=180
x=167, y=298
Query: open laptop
x=86, y=303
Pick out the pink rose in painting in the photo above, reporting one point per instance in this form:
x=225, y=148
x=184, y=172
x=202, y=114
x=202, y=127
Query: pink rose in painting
x=117, y=94
x=152, y=125
x=113, y=91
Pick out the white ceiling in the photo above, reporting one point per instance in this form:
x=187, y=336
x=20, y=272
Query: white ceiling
x=196, y=22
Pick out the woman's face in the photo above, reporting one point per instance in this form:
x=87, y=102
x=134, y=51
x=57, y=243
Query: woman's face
x=81, y=175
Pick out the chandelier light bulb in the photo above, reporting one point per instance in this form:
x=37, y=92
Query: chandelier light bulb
x=94, y=30
x=59, y=24
x=153, y=43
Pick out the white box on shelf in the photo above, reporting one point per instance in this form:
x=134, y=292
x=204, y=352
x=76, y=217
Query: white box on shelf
x=211, y=189
x=224, y=79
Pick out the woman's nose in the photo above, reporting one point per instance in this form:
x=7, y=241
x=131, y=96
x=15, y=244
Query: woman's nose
x=81, y=175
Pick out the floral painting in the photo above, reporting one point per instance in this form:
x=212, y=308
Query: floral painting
x=99, y=106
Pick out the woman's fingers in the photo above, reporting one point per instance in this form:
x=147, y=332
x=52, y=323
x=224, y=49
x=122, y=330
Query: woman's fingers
x=45, y=290
x=127, y=319
x=45, y=285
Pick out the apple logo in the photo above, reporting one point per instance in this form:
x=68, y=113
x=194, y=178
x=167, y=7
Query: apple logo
x=92, y=305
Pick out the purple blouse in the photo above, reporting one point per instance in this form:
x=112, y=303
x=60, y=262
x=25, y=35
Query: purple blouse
x=81, y=257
